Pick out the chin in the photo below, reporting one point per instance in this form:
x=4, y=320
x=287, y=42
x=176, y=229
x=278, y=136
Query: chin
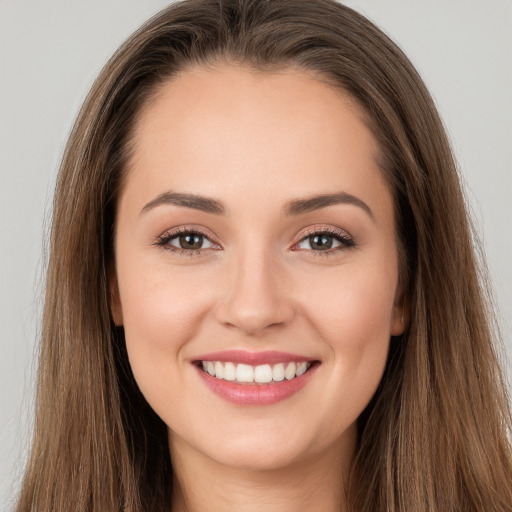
x=267, y=449
x=259, y=458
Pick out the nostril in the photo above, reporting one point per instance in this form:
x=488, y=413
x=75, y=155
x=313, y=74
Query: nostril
x=253, y=316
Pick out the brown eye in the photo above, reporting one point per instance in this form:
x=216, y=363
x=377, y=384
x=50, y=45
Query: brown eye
x=321, y=242
x=326, y=241
x=191, y=241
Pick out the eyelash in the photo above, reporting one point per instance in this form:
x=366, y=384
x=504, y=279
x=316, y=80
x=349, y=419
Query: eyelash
x=163, y=241
x=345, y=240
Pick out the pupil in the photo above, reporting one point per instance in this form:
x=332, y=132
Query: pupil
x=191, y=241
x=321, y=242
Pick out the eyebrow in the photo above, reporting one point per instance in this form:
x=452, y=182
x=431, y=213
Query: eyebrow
x=204, y=204
x=300, y=206
x=292, y=208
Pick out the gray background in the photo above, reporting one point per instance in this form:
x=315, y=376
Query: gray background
x=50, y=52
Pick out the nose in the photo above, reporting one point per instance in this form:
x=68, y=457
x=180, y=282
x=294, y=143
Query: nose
x=255, y=297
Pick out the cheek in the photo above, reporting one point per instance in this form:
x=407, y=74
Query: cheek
x=162, y=311
x=352, y=306
x=352, y=311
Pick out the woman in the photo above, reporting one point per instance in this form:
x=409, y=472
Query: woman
x=262, y=289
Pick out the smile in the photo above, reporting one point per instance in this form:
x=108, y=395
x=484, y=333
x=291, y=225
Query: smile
x=261, y=374
x=255, y=379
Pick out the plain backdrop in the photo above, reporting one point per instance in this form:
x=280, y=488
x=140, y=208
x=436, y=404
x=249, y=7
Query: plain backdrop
x=50, y=52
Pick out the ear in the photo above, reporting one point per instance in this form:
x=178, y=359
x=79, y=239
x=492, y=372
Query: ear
x=115, y=300
x=400, y=315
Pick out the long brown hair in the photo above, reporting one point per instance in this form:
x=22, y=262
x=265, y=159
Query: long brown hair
x=434, y=436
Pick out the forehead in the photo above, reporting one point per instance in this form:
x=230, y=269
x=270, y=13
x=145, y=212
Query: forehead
x=233, y=130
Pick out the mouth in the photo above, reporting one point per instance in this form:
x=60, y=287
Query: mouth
x=246, y=378
x=257, y=375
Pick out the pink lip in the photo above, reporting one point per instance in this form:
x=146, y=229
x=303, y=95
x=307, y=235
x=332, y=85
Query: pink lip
x=254, y=394
x=253, y=358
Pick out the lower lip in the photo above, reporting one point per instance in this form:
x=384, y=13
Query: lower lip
x=256, y=394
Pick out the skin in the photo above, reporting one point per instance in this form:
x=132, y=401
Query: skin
x=254, y=142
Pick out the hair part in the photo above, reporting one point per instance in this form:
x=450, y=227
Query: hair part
x=434, y=436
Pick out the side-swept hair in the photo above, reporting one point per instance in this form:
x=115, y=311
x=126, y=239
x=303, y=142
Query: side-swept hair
x=434, y=437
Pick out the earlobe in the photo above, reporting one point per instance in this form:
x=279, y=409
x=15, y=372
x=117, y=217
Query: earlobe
x=116, y=310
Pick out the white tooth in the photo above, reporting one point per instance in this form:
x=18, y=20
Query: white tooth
x=229, y=371
x=301, y=368
x=210, y=368
x=219, y=370
x=244, y=373
x=289, y=373
x=263, y=373
x=204, y=365
x=278, y=372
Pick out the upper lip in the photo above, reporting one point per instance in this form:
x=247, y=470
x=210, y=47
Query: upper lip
x=252, y=358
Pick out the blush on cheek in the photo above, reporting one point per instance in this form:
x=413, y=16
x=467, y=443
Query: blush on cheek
x=353, y=316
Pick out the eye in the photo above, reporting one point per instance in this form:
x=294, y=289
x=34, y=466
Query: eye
x=190, y=241
x=325, y=241
x=186, y=241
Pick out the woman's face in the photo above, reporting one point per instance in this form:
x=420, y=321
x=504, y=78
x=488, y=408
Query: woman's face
x=255, y=237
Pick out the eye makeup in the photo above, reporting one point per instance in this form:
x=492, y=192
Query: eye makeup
x=327, y=240
x=192, y=241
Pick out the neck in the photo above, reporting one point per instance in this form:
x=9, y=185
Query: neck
x=309, y=485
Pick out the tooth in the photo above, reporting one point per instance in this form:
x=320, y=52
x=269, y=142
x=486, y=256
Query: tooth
x=278, y=372
x=263, y=373
x=301, y=368
x=289, y=373
x=219, y=370
x=244, y=373
x=260, y=374
x=229, y=371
